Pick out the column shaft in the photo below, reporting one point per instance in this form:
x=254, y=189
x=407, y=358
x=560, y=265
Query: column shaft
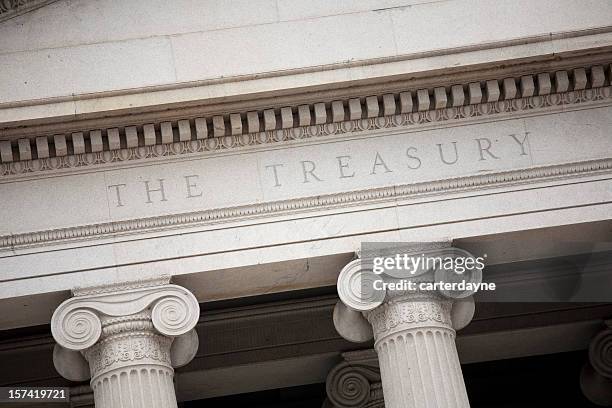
x=131, y=365
x=419, y=364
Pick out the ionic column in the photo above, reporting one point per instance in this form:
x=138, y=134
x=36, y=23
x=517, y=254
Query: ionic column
x=414, y=333
x=128, y=339
x=596, y=374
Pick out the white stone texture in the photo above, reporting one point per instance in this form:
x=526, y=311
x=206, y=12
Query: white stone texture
x=149, y=134
x=406, y=102
x=354, y=106
x=184, y=130
x=389, y=104
x=320, y=112
x=553, y=139
x=475, y=93
x=42, y=147
x=457, y=95
x=597, y=76
x=6, y=151
x=218, y=126
x=440, y=98
x=201, y=128
x=253, y=122
x=509, y=88
x=286, y=118
x=78, y=143
x=338, y=114
x=25, y=150
x=269, y=119
x=59, y=142
x=561, y=81
x=236, y=123
x=114, y=143
x=167, y=134
x=95, y=138
x=580, y=79
x=544, y=84
x=304, y=115
x=372, y=107
x=527, y=86
x=423, y=102
x=131, y=136
x=492, y=91
x=58, y=39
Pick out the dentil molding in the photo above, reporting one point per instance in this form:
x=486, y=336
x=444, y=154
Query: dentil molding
x=405, y=110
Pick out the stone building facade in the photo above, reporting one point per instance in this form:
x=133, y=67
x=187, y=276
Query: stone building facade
x=185, y=188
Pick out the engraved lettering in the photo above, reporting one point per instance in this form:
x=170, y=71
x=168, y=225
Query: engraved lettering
x=275, y=172
x=342, y=165
x=152, y=190
x=416, y=161
x=190, y=186
x=482, y=149
x=521, y=143
x=308, y=171
x=441, y=151
x=118, y=193
x=378, y=161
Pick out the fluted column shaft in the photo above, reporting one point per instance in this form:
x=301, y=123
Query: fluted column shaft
x=129, y=337
x=131, y=365
x=415, y=343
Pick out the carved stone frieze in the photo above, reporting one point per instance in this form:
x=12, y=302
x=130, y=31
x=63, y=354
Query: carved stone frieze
x=403, y=191
x=394, y=314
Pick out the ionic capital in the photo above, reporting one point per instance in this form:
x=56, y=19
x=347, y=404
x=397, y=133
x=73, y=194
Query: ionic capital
x=596, y=374
x=365, y=310
x=355, y=382
x=76, y=323
x=106, y=330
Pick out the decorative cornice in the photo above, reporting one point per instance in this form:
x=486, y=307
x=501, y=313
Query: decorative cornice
x=216, y=215
x=13, y=8
x=402, y=110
